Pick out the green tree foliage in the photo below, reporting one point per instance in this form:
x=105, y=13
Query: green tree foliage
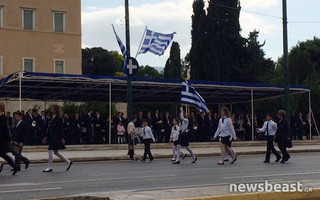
x=148, y=72
x=198, y=39
x=218, y=50
x=304, y=68
x=173, y=66
x=99, y=61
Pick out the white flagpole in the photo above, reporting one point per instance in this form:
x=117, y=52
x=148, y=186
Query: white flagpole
x=143, y=36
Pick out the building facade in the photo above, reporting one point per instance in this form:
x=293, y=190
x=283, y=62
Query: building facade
x=40, y=36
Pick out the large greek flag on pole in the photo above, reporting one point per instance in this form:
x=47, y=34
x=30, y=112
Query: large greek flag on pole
x=155, y=42
x=191, y=97
x=123, y=51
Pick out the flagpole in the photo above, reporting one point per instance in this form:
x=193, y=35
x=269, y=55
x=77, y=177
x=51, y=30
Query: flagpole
x=129, y=78
x=143, y=36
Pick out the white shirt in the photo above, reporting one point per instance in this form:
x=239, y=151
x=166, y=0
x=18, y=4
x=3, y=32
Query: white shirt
x=225, y=128
x=272, y=128
x=175, y=131
x=18, y=123
x=184, y=123
x=147, y=133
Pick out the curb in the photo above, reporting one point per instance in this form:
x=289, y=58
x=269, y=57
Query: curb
x=314, y=195
x=105, y=158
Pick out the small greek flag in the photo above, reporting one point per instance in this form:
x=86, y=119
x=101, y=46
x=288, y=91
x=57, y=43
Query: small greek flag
x=123, y=51
x=191, y=97
x=155, y=42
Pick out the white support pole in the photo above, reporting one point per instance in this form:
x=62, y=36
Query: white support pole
x=110, y=110
x=315, y=124
x=20, y=91
x=252, y=114
x=310, y=131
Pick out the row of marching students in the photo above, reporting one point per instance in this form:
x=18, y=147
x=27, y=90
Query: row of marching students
x=11, y=145
x=280, y=133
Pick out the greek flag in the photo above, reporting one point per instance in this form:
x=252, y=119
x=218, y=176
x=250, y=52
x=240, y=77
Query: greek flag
x=123, y=51
x=155, y=42
x=191, y=97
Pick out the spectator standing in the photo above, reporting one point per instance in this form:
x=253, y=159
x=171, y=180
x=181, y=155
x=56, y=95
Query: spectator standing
x=120, y=133
x=157, y=120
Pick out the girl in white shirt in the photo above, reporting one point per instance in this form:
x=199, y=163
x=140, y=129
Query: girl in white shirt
x=226, y=133
x=174, y=137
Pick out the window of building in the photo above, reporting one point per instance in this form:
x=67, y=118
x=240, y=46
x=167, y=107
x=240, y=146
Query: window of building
x=58, y=22
x=1, y=65
x=1, y=16
x=28, y=19
x=59, y=66
x=28, y=64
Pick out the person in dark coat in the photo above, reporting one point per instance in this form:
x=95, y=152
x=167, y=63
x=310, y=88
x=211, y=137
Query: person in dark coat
x=55, y=138
x=19, y=136
x=167, y=125
x=88, y=123
x=283, y=136
x=4, y=141
x=99, y=125
x=31, y=121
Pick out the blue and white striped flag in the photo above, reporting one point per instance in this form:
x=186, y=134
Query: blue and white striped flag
x=123, y=51
x=155, y=42
x=191, y=97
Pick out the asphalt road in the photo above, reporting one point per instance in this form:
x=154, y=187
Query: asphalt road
x=113, y=176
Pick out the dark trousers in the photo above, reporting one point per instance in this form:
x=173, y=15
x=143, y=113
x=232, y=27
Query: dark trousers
x=283, y=149
x=19, y=158
x=270, y=148
x=8, y=159
x=147, y=150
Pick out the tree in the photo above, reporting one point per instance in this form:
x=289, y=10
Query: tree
x=173, y=67
x=198, y=36
x=256, y=68
x=148, y=72
x=218, y=51
x=175, y=61
x=99, y=61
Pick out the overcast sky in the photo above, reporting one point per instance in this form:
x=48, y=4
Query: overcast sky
x=169, y=16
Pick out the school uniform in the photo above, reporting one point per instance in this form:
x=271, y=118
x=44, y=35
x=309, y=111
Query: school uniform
x=130, y=130
x=270, y=129
x=19, y=136
x=225, y=131
x=148, y=138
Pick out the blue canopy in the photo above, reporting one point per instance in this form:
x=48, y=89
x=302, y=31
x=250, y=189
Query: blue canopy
x=49, y=87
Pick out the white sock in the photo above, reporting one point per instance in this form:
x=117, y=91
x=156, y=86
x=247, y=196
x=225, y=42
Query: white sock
x=178, y=152
x=173, y=152
x=191, y=152
x=50, y=153
x=61, y=157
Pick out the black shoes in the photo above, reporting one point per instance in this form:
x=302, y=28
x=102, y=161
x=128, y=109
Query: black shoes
x=278, y=159
x=219, y=163
x=177, y=162
x=47, y=170
x=234, y=160
x=15, y=170
x=184, y=156
x=195, y=160
x=27, y=165
x=283, y=161
x=69, y=165
x=266, y=161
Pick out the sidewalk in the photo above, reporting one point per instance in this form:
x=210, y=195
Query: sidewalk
x=81, y=153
